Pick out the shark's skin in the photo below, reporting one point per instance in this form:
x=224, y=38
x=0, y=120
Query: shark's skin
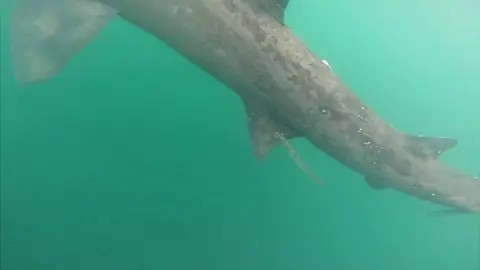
x=288, y=92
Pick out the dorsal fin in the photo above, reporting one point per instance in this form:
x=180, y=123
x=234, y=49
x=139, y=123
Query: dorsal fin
x=276, y=8
x=429, y=147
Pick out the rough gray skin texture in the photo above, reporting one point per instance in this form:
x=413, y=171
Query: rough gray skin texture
x=287, y=90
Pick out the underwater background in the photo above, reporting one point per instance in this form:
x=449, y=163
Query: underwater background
x=133, y=158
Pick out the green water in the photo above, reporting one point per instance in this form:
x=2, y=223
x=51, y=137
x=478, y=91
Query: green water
x=132, y=158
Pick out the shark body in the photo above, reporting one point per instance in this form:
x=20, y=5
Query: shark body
x=287, y=91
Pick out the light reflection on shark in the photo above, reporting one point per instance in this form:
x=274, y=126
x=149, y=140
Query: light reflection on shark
x=287, y=91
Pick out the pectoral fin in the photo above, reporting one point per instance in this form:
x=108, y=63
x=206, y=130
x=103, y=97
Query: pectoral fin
x=46, y=33
x=376, y=182
x=264, y=131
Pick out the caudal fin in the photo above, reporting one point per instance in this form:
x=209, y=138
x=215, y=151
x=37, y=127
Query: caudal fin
x=46, y=33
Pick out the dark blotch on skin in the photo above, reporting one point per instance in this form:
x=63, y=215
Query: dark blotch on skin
x=230, y=5
x=260, y=36
x=386, y=156
x=389, y=157
x=419, y=152
x=302, y=75
x=332, y=114
x=405, y=168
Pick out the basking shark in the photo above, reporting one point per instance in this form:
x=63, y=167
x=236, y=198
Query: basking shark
x=287, y=91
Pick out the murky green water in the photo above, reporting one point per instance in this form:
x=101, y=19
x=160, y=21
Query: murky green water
x=132, y=158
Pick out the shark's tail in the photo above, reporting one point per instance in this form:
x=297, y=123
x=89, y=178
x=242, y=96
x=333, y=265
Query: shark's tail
x=46, y=33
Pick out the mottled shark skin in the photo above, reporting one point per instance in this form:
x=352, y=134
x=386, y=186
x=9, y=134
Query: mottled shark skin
x=287, y=91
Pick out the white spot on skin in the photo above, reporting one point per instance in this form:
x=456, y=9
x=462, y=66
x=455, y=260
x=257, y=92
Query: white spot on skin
x=97, y=9
x=326, y=63
x=220, y=52
x=47, y=25
x=458, y=200
x=250, y=117
x=175, y=10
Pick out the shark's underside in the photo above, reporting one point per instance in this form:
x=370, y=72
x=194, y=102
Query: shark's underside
x=287, y=91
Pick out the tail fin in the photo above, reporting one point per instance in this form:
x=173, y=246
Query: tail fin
x=46, y=33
